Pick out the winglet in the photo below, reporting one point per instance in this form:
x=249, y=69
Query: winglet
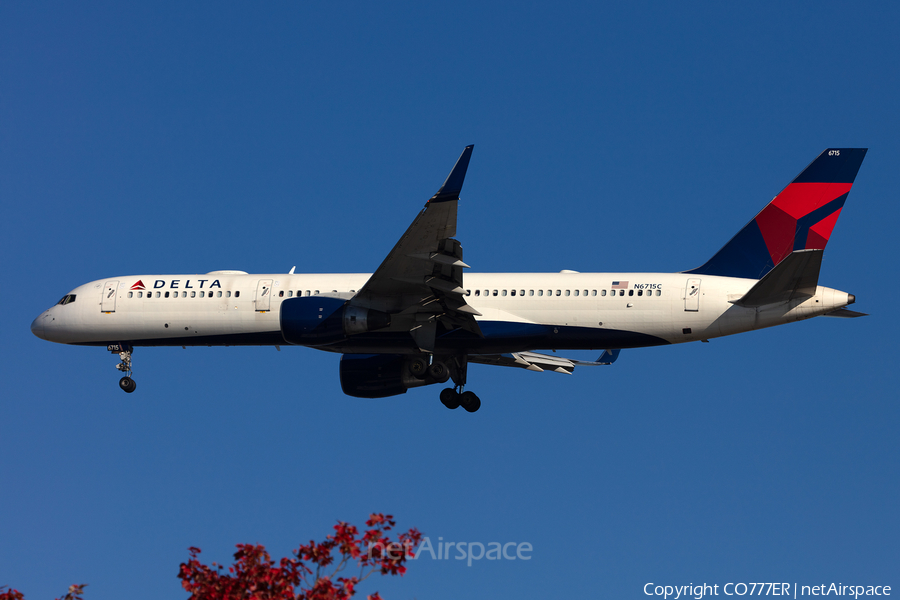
x=609, y=356
x=453, y=185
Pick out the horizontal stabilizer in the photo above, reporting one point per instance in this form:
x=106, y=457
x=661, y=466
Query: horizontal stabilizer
x=845, y=314
x=795, y=277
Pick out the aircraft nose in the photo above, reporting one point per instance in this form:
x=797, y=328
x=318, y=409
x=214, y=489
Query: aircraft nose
x=37, y=327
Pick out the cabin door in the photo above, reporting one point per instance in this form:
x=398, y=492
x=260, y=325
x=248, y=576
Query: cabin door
x=263, y=295
x=108, y=300
x=692, y=295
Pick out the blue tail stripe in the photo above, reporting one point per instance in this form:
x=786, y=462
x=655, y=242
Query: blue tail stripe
x=746, y=255
x=804, y=223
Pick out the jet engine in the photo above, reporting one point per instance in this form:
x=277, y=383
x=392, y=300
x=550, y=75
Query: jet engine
x=322, y=320
x=379, y=375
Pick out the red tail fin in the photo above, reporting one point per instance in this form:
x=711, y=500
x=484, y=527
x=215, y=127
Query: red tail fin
x=801, y=217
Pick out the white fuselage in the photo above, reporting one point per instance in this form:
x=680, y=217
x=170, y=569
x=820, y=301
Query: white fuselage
x=618, y=310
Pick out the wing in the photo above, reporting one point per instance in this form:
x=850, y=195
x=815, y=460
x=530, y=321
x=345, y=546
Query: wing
x=541, y=362
x=420, y=283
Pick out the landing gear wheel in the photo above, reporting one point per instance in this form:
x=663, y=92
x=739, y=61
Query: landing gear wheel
x=418, y=367
x=127, y=384
x=449, y=398
x=469, y=401
x=439, y=371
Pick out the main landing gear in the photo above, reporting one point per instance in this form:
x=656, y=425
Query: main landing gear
x=452, y=398
x=440, y=371
x=126, y=383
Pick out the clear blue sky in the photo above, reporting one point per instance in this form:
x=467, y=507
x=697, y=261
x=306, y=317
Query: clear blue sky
x=189, y=137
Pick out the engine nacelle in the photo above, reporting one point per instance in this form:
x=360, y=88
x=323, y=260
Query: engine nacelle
x=377, y=375
x=322, y=320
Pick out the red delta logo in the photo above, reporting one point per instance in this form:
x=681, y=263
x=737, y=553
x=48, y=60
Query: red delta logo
x=139, y=285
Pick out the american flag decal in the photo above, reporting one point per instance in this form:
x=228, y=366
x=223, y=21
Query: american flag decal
x=620, y=285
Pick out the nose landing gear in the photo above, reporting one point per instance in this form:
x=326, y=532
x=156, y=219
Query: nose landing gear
x=126, y=383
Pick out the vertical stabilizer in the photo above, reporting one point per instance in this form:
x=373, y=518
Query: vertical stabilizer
x=801, y=217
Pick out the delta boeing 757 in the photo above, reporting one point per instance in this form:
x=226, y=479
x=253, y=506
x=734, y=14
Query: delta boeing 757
x=417, y=320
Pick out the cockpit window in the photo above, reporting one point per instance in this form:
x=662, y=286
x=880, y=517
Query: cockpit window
x=67, y=299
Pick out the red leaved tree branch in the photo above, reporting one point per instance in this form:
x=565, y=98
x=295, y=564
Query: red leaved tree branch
x=75, y=592
x=315, y=571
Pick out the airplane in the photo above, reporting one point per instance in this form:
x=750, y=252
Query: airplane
x=418, y=321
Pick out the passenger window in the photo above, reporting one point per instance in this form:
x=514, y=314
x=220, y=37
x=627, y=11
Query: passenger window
x=531, y=292
x=157, y=294
x=167, y=294
x=495, y=292
x=659, y=292
x=503, y=293
x=487, y=292
x=585, y=293
x=512, y=293
x=316, y=293
x=468, y=292
x=477, y=292
x=193, y=294
x=521, y=292
x=621, y=292
x=549, y=292
x=576, y=292
x=593, y=292
x=602, y=292
x=281, y=293
x=559, y=292
x=567, y=292
x=640, y=292
x=131, y=294
x=219, y=294
x=540, y=292
x=184, y=294
x=631, y=292
x=290, y=293
x=140, y=294
x=203, y=294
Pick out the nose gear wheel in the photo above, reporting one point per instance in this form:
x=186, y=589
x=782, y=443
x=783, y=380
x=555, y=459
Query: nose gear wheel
x=126, y=383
